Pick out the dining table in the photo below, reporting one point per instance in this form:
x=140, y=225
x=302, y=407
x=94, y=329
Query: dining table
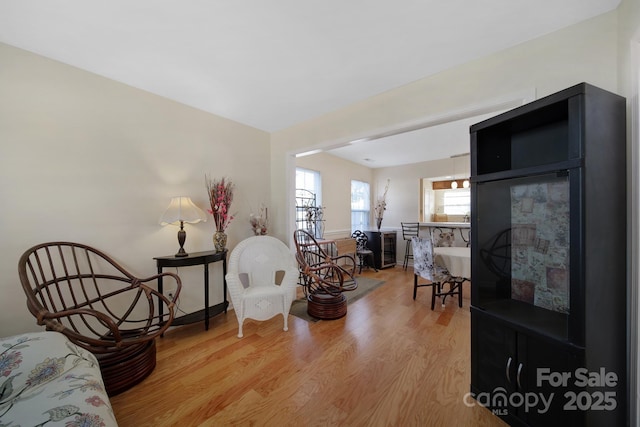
x=456, y=259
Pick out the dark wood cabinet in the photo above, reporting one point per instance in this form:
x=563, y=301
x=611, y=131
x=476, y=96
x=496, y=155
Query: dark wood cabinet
x=383, y=245
x=516, y=373
x=548, y=289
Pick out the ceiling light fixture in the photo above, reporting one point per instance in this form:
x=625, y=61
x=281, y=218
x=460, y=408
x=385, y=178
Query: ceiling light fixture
x=454, y=183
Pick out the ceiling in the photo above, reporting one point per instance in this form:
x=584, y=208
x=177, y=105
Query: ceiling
x=273, y=64
x=421, y=145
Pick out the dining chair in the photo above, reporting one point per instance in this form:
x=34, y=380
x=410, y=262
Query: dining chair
x=346, y=246
x=425, y=267
x=365, y=255
x=442, y=238
x=409, y=230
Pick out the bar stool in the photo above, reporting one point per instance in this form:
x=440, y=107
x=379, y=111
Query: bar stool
x=409, y=230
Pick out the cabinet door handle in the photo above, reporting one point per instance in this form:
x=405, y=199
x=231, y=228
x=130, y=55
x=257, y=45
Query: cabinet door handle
x=509, y=369
x=518, y=375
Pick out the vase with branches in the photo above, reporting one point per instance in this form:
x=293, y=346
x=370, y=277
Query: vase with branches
x=220, y=197
x=381, y=206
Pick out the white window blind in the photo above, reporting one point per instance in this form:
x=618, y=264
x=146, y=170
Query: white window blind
x=360, y=205
x=457, y=202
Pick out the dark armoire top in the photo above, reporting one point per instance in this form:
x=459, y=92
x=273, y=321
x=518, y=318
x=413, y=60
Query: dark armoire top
x=543, y=136
x=549, y=100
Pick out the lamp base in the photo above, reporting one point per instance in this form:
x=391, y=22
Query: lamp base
x=182, y=236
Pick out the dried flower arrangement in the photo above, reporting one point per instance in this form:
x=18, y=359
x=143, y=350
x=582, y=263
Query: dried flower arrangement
x=259, y=223
x=381, y=206
x=220, y=198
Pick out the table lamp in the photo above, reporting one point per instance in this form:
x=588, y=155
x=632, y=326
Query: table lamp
x=181, y=209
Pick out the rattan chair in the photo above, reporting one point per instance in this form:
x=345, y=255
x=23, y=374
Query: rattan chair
x=262, y=279
x=324, y=277
x=83, y=293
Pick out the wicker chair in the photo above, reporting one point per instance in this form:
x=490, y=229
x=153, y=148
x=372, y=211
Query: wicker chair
x=324, y=277
x=261, y=279
x=84, y=294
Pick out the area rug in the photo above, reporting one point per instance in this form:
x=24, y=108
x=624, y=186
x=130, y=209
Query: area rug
x=365, y=285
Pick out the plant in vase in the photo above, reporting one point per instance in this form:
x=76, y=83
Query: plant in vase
x=220, y=198
x=381, y=206
x=259, y=223
x=314, y=220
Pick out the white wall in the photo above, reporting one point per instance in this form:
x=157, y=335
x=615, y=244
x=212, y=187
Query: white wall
x=86, y=159
x=584, y=52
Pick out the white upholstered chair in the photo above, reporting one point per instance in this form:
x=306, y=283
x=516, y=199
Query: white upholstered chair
x=437, y=276
x=261, y=277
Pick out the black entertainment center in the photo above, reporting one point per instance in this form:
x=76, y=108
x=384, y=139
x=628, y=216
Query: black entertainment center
x=549, y=292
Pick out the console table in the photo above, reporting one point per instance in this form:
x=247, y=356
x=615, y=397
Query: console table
x=197, y=258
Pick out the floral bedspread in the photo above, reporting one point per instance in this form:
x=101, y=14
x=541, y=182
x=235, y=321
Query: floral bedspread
x=47, y=380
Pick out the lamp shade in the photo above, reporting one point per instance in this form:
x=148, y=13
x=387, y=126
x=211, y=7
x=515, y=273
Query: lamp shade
x=181, y=208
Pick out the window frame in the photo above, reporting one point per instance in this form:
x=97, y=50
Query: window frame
x=456, y=208
x=363, y=213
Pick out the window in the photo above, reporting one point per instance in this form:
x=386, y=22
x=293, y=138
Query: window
x=360, y=205
x=309, y=180
x=457, y=202
x=309, y=202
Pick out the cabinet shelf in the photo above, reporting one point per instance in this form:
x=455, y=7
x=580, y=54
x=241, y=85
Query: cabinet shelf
x=534, y=170
x=529, y=318
x=199, y=316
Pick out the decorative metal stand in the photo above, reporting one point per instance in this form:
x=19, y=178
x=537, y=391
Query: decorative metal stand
x=309, y=216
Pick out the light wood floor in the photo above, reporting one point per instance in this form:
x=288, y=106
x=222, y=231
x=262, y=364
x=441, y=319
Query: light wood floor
x=390, y=362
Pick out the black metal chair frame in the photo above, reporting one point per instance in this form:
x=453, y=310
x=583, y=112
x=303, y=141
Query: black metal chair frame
x=409, y=230
x=437, y=289
x=362, y=250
